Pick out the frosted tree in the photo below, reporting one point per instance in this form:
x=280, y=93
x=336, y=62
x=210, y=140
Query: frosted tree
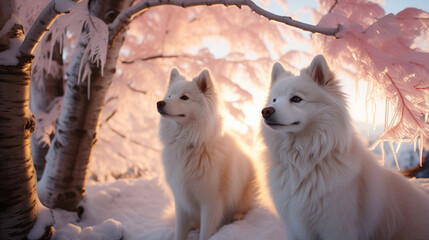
x=382, y=50
x=89, y=75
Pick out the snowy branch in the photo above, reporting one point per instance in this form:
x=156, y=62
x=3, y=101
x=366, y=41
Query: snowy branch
x=48, y=15
x=125, y=17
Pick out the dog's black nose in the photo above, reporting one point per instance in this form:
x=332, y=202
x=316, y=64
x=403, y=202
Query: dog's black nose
x=267, y=112
x=160, y=104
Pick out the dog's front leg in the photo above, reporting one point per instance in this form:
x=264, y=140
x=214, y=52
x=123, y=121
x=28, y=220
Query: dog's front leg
x=182, y=224
x=211, y=215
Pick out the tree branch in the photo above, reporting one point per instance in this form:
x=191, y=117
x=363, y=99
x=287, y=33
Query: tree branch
x=40, y=26
x=333, y=6
x=160, y=56
x=126, y=16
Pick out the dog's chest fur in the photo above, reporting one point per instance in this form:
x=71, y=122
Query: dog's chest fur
x=190, y=170
x=302, y=183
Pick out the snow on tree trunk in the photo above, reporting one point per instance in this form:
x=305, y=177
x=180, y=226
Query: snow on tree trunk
x=68, y=158
x=47, y=84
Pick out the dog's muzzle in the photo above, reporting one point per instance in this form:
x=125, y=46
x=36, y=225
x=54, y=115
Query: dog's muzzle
x=267, y=112
x=160, y=105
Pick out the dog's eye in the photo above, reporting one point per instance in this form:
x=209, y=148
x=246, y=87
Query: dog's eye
x=274, y=100
x=296, y=99
x=184, y=97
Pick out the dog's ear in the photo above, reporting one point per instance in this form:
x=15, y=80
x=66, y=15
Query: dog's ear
x=174, y=75
x=204, y=81
x=278, y=71
x=320, y=71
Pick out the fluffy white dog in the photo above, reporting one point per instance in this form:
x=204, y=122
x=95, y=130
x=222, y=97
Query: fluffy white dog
x=324, y=181
x=212, y=179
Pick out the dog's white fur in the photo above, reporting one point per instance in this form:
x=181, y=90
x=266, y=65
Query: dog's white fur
x=212, y=179
x=324, y=181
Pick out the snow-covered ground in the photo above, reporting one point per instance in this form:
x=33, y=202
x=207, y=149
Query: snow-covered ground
x=124, y=197
x=135, y=207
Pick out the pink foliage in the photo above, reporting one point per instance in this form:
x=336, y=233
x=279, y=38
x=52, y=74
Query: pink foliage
x=381, y=48
x=235, y=44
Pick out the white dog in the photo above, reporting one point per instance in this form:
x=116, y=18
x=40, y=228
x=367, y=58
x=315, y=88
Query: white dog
x=212, y=179
x=324, y=181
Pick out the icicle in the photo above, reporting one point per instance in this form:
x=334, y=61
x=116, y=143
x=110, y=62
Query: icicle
x=366, y=109
x=356, y=83
x=374, y=109
x=383, y=153
x=89, y=89
x=87, y=75
x=374, y=145
x=386, y=114
x=415, y=143
x=398, y=146
x=79, y=77
x=394, y=155
x=421, y=145
x=51, y=53
x=394, y=119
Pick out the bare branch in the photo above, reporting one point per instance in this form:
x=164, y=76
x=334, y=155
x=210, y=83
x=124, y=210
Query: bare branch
x=132, y=140
x=160, y=56
x=333, y=6
x=135, y=89
x=40, y=26
x=126, y=16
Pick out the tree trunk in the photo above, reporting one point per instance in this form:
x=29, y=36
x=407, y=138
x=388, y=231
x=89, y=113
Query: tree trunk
x=18, y=197
x=68, y=158
x=42, y=96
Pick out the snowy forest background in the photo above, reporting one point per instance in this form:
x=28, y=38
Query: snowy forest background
x=380, y=51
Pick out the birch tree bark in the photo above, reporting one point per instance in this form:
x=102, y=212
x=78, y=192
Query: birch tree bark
x=68, y=158
x=18, y=196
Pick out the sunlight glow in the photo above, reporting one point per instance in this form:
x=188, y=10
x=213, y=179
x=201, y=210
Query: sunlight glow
x=371, y=113
x=250, y=122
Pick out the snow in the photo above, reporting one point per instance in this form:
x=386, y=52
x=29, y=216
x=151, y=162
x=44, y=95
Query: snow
x=46, y=121
x=8, y=57
x=108, y=229
x=135, y=208
x=44, y=219
x=64, y=5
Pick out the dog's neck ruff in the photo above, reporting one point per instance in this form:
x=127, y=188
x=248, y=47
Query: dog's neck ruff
x=307, y=163
x=306, y=150
x=191, y=135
